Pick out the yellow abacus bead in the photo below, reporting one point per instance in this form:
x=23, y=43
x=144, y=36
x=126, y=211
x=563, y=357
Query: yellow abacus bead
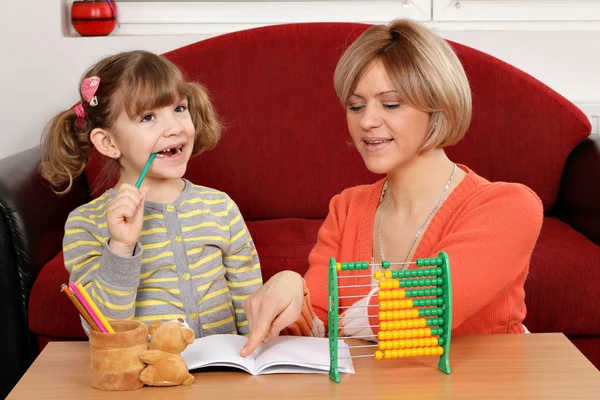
x=396, y=315
x=440, y=351
x=338, y=266
x=421, y=332
x=409, y=303
x=413, y=352
x=395, y=335
x=401, y=353
x=434, y=341
x=401, y=344
x=377, y=275
x=427, y=351
x=420, y=352
x=390, y=315
x=382, y=315
x=423, y=322
x=382, y=345
x=387, y=354
x=378, y=355
x=427, y=331
x=395, y=284
x=383, y=326
x=415, y=313
x=401, y=294
x=401, y=334
x=415, y=343
x=410, y=324
x=403, y=324
x=396, y=324
x=396, y=304
x=381, y=336
x=388, y=274
x=395, y=294
x=408, y=334
x=394, y=353
x=381, y=295
x=402, y=303
x=383, y=305
x=421, y=342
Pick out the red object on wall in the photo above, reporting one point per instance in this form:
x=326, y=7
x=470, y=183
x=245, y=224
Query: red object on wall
x=94, y=18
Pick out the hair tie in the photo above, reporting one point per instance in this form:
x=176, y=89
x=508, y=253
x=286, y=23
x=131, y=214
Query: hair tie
x=79, y=111
x=88, y=89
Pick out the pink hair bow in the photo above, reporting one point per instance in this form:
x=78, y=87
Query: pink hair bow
x=89, y=86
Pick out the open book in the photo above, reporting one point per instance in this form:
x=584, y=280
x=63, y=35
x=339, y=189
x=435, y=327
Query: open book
x=283, y=355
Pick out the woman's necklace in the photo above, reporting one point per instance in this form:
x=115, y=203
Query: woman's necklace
x=419, y=231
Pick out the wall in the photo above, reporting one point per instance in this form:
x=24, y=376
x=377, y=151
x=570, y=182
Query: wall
x=41, y=67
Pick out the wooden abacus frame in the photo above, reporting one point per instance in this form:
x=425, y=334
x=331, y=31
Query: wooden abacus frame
x=408, y=332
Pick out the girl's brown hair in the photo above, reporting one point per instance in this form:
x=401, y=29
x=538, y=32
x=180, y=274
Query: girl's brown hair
x=424, y=69
x=135, y=81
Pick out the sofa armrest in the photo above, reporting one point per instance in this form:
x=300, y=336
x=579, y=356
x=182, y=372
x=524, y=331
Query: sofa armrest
x=32, y=219
x=577, y=202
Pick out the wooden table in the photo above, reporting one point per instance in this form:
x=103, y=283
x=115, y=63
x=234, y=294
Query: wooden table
x=484, y=367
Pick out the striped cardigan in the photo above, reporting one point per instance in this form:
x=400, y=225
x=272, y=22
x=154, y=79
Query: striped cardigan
x=194, y=259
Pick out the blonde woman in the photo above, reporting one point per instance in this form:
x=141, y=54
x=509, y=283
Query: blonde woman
x=407, y=97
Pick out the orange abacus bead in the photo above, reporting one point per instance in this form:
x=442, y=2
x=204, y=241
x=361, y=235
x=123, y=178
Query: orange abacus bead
x=377, y=275
x=378, y=355
x=388, y=274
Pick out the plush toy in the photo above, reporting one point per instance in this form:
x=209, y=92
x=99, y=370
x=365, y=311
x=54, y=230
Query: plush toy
x=165, y=366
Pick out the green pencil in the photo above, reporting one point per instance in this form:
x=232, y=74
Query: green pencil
x=145, y=170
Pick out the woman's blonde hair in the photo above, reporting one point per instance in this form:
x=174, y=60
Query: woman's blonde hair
x=136, y=81
x=425, y=72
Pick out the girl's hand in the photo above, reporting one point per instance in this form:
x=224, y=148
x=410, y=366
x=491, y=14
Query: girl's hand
x=124, y=218
x=272, y=308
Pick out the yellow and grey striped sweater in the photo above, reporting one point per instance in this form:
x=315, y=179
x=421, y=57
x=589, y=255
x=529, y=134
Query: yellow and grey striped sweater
x=194, y=259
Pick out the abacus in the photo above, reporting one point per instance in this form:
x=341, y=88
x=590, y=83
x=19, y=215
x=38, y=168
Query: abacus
x=415, y=310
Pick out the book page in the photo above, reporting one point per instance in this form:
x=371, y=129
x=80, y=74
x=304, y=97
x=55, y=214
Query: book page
x=299, y=354
x=218, y=351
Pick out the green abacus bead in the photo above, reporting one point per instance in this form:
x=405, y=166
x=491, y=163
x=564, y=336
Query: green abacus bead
x=439, y=261
x=427, y=282
x=419, y=262
x=344, y=266
x=350, y=266
x=413, y=273
x=421, y=292
x=427, y=261
x=365, y=265
x=439, y=271
x=395, y=274
x=441, y=321
x=441, y=341
x=385, y=264
x=420, y=272
x=440, y=302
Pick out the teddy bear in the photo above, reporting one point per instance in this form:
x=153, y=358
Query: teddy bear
x=164, y=364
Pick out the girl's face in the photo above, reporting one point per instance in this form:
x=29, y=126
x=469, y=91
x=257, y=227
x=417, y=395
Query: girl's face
x=167, y=131
x=386, y=132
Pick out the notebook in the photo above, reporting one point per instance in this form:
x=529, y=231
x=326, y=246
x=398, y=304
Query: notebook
x=283, y=355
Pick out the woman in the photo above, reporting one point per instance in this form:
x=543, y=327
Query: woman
x=407, y=98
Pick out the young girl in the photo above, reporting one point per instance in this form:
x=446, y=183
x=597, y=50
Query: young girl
x=407, y=97
x=171, y=248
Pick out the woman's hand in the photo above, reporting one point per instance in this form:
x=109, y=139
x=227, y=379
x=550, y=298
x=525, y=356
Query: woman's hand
x=273, y=307
x=124, y=219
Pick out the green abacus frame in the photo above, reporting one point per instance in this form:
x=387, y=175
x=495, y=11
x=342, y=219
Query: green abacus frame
x=443, y=288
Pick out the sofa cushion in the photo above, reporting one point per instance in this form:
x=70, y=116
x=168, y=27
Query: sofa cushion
x=564, y=282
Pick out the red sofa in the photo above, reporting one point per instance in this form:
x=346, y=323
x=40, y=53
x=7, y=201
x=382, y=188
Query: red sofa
x=284, y=154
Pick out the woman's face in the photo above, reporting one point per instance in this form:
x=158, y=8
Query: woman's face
x=387, y=132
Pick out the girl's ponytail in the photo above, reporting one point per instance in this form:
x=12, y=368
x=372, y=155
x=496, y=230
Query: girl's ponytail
x=65, y=149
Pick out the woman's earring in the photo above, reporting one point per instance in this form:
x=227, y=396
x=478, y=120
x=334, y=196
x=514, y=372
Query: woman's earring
x=115, y=156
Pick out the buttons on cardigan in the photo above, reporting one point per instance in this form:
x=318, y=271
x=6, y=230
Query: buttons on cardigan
x=186, y=277
x=193, y=315
x=178, y=239
x=170, y=208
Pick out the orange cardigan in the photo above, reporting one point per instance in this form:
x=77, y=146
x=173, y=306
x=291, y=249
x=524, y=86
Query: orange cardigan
x=488, y=230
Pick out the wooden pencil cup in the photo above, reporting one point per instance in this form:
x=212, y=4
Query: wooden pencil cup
x=114, y=357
